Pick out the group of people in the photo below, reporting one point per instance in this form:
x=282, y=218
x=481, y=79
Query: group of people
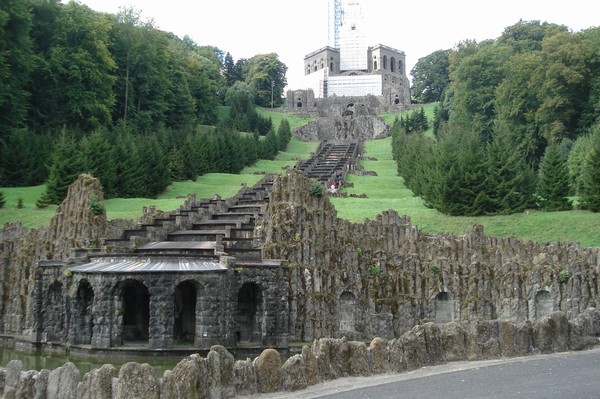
x=335, y=184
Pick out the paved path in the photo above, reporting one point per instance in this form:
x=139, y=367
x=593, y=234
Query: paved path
x=570, y=375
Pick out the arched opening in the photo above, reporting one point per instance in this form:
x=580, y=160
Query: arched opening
x=347, y=309
x=53, y=312
x=82, y=318
x=136, y=311
x=184, y=329
x=393, y=64
x=249, y=314
x=400, y=67
x=396, y=100
x=385, y=62
x=331, y=67
x=444, y=308
x=544, y=304
x=374, y=65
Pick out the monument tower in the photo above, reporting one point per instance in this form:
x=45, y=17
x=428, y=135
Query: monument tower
x=349, y=67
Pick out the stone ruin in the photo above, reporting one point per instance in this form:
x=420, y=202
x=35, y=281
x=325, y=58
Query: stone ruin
x=339, y=118
x=289, y=270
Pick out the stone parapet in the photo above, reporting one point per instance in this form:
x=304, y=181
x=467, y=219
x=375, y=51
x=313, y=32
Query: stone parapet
x=219, y=376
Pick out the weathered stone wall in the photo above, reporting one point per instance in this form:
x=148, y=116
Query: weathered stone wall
x=75, y=225
x=398, y=276
x=220, y=376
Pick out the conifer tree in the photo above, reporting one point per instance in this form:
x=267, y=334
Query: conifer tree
x=553, y=181
x=2, y=199
x=284, y=135
x=590, y=191
x=65, y=167
x=510, y=181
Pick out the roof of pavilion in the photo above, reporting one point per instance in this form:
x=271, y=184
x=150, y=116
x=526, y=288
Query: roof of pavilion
x=149, y=265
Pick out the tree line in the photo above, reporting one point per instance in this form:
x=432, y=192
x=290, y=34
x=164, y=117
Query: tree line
x=70, y=75
x=517, y=126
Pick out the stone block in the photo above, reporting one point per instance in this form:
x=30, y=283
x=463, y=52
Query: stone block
x=455, y=340
x=244, y=377
x=396, y=355
x=63, y=381
x=169, y=388
x=185, y=376
x=294, y=374
x=97, y=384
x=310, y=362
x=358, y=362
x=379, y=356
x=13, y=374
x=220, y=372
x=137, y=381
x=268, y=371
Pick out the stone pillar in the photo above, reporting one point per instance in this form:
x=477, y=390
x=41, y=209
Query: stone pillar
x=162, y=308
x=102, y=314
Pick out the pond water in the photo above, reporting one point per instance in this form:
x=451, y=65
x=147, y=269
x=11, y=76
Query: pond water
x=36, y=360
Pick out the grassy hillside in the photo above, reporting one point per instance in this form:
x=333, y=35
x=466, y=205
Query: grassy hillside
x=387, y=191
x=205, y=186
x=384, y=191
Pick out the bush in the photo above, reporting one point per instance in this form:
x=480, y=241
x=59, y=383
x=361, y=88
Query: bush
x=316, y=189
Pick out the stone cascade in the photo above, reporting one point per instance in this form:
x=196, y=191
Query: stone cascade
x=383, y=276
x=212, y=228
x=331, y=160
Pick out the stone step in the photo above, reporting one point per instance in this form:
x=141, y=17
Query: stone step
x=196, y=235
x=196, y=248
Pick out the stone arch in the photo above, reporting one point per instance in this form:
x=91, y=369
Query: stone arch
x=347, y=311
x=544, y=304
x=444, y=308
x=385, y=62
x=374, y=65
x=53, y=313
x=249, y=316
x=400, y=67
x=186, y=297
x=331, y=67
x=393, y=64
x=82, y=317
x=134, y=310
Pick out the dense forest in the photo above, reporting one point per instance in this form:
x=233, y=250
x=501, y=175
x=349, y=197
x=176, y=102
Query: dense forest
x=518, y=125
x=112, y=95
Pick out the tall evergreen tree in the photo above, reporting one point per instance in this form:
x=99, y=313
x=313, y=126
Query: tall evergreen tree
x=510, y=181
x=553, y=181
x=590, y=190
x=2, y=199
x=66, y=165
x=98, y=160
x=16, y=64
x=284, y=134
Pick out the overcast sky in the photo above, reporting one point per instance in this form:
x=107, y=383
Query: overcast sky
x=293, y=29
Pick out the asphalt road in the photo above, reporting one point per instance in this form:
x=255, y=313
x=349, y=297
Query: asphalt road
x=570, y=375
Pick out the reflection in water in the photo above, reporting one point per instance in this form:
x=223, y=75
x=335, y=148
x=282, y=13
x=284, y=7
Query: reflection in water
x=85, y=363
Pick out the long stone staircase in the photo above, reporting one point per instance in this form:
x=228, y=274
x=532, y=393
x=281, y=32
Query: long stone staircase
x=195, y=237
x=203, y=231
x=331, y=160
